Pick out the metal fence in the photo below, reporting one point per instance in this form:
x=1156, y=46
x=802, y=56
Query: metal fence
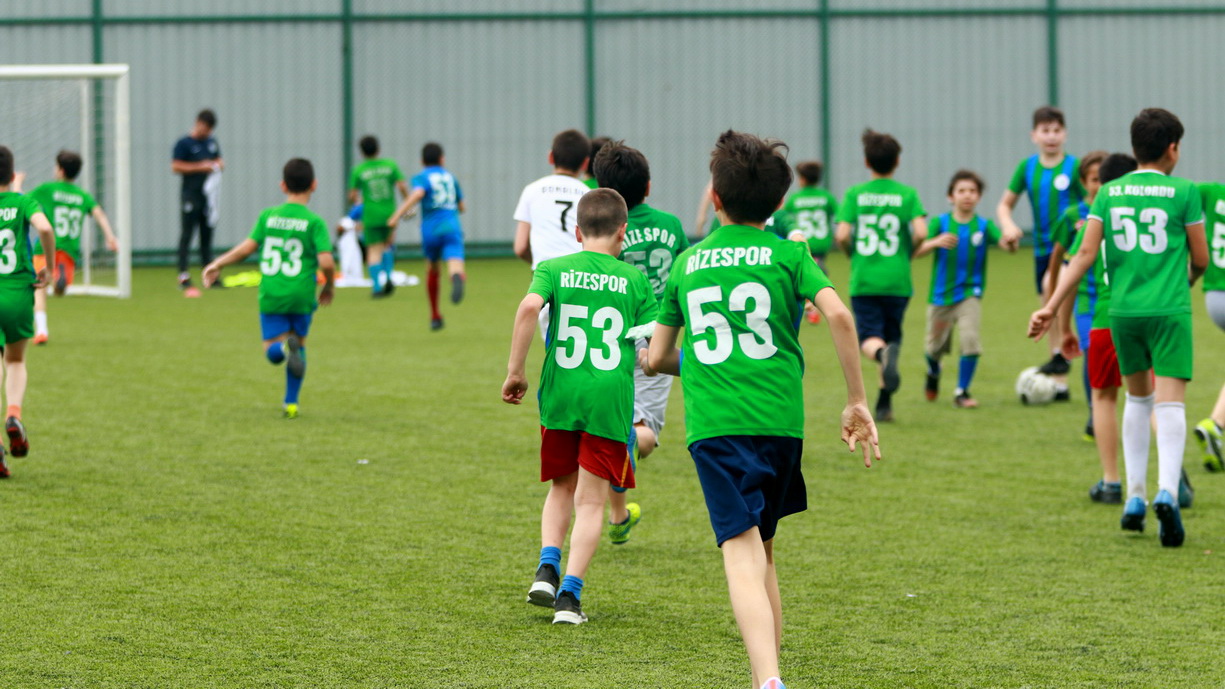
x=954, y=80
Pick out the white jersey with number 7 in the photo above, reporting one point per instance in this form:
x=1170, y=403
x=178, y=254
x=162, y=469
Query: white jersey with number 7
x=550, y=206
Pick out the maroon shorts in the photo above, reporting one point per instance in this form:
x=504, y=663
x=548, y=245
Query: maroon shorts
x=1103, y=361
x=563, y=452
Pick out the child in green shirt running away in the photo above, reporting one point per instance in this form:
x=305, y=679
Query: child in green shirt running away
x=738, y=295
x=1151, y=223
x=373, y=183
x=295, y=246
x=960, y=240
x=599, y=306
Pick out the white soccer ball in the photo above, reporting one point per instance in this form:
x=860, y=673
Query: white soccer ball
x=1036, y=388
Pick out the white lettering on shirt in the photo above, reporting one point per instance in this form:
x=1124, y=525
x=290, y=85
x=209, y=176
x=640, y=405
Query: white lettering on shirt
x=728, y=256
x=640, y=235
x=577, y=279
x=877, y=200
x=279, y=223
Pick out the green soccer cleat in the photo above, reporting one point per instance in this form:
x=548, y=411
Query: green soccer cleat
x=1209, y=436
x=620, y=533
x=291, y=411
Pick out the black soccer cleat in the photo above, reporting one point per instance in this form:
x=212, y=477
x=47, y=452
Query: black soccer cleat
x=4, y=468
x=1107, y=493
x=19, y=443
x=544, y=590
x=457, y=288
x=931, y=388
x=568, y=610
x=436, y=324
x=1057, y=366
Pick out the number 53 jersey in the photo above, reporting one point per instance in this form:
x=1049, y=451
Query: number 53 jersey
x=1145, y=215
x=16, y=268
x=738, y=295
x=880, y=213
x=290, y=239
x=588, y=379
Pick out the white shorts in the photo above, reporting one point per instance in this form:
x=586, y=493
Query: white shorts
x=1215, y=300
x=651, y=399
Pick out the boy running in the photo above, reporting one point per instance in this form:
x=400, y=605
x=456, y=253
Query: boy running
x=813, y=209
x=586, y=390
x=959, y=276
x=373, y=183
x=442, y=239
x=66, y=205
x=1151, y=222
x=737, y=294
x=1208, y=431
x=18, y=280
x=653, y=239
x=294, y=245
x=880, y=222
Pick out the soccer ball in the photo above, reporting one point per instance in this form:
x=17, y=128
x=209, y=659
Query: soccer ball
x=1035, y=388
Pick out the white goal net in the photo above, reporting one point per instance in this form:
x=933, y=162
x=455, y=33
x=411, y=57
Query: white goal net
x=83, y=109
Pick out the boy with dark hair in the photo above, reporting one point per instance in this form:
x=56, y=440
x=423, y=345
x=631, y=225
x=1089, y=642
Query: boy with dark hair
x=960, y=240
x=1052, y=180
x=545, y=214
x=18, y=280
x=589, y=174
x=1208, y=431
x=813, y=209
x=653, y=239
x=373, y=183
x=586, y=390
x=737, y=294
x=197, y=157
x=294, y=246
x=1151, y=223
x=442, y=239
x=66, y=205
x=880, y=222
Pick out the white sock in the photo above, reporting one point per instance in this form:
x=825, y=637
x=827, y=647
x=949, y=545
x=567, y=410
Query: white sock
x=1171, y=441
x=1136, y=432
x=40, y=322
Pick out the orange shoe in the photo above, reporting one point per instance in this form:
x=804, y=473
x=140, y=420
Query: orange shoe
x=40, y=339
x=192, y=293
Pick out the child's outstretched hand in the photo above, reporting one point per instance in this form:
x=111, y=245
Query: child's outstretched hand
x=514, y=388
x=209, y=275
x=1040, y=322
x=858, y=427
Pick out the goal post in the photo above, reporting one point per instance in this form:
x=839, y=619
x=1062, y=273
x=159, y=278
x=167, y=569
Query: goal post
x=85, y=108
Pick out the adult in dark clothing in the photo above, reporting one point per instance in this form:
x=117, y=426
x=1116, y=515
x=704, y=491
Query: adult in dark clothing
x=197, y=157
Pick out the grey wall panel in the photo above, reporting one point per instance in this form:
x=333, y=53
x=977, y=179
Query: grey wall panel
x=275, y=90
x=162, y=8
x=36, y=45
x=493, y=94
x=670, y=87
x=934, y=4
x=460, y=6
x=955, y=92
x=1180, y=78
x=46, y=8
x=1145, y=4
x=699, y=5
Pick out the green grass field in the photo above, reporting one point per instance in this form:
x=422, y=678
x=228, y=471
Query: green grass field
x=170, y=529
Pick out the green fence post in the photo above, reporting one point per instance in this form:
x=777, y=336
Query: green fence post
x=1052, y=51
x=826, y=140
x=346, y=86
x=97, y=24
x=589, y=63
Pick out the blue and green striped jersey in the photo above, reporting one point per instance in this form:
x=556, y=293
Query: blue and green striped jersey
x=1065, y=233
x=961, y=272
x=1051, y=190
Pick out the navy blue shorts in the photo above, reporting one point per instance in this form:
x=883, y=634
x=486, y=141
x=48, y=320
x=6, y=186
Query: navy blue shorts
x=879, y=317
x=443, y=246
x=749, y=480
x=276, y=324
x=1041, y=263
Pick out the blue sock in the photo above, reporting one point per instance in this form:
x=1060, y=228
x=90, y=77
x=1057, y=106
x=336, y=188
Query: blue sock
x=389, y=262
x=376, y=277
x=573, y=585
x=933, y=366
x=965, y=373
x=550, y=555
x=293, y=384
x=276, y=353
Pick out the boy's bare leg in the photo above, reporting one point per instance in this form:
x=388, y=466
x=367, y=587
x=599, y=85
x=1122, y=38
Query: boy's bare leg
x=776, y=601
x=589, y=496
x=1106, y=431
x=617, y=512
x=646, y=440
x=555, y=519
x=1218, y=412
x=748, y=572
x=15, y=373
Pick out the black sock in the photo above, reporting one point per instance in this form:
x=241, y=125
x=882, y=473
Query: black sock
x=885, y=399
x=879, y=353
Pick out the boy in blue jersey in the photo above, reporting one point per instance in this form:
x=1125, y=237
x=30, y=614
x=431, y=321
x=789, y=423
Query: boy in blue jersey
x=959, y=275
x=441, y=238
x=1052, y=180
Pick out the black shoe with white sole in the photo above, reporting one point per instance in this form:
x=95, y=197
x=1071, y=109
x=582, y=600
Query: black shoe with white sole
x=568, y=610
x=544, y=589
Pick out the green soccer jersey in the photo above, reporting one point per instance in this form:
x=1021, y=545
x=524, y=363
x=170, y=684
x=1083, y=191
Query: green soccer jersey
x=376, y=181
x=591, y=183
x=290, y=237
x=588, y=379
x=781, y=224
x=1213, y=196
x=1065, y=233
x=880, y=213
x=16, y=266
x=961, y=272
x=1144, y=217
x=1051, y=190
x=66, y=206
x=1101, y=305
x=813, y=209
x=738, y=295
x=652, y=241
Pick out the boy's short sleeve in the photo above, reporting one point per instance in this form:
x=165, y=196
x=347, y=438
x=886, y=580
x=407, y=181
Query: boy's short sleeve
x=523, y=211
x=847, y=211
x=354, y=179
x=993, y=233
x=1194, y=212
x=670, y=313
x=542, y=281
x=321, y=237
x=1060, y=232
x=1017, y=184
x=89, y=204
x=647, y=308
x=916, y=206
x=257, y=232
x=809, y=278
x=182, y=149
x=459, y=193
x=31, y=207
x=1098, y=209
x=419, y=181
x=682, y=241
x=833, y=204
x=396, y=175
x=933, y=229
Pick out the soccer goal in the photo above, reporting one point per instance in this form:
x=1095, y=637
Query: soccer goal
x=81, y=108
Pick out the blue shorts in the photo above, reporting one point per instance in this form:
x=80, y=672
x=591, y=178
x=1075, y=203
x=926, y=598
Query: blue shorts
x=749, y=480
x=443, y=246
x=274, y=325
x=1041, y=263
x=879, y=317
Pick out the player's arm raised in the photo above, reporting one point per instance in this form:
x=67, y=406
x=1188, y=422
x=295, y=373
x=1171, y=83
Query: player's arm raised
x=46, y=237
x=1080, y=264
x=406, y=208
x=526, y=318
x=99, y=215
x=663, y=356
x=523, y=243
x=1197, y=246
x=858, y=428
x=244, y=249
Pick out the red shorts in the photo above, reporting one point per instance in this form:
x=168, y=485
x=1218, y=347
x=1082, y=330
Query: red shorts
x=1103, y=361
x=563, y=452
